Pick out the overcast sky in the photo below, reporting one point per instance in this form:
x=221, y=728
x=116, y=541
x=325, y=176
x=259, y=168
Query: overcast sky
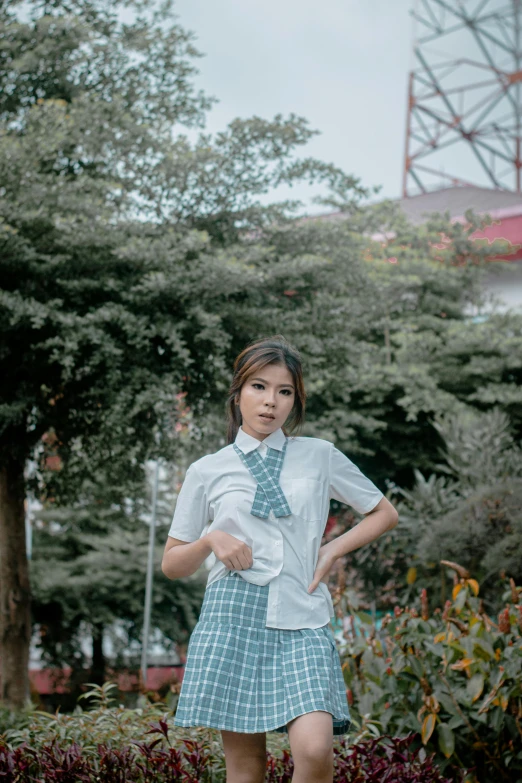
x=342, y=64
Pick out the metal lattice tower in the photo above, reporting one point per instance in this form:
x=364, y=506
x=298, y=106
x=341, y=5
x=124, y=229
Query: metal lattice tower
x=464, y=102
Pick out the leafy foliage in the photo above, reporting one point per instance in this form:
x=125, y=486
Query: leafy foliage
x=107, y=744
x=390, y=344
x=99, y=550
x=113, y=280
x=468, y=510
x=455, y=677
x=387, y=758
x=136, y=264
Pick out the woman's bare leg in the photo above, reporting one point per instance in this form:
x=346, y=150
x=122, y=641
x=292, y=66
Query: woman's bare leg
x=245, y=756
x=311, y=743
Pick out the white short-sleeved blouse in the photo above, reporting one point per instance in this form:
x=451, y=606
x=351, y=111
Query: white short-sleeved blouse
x=218, y=488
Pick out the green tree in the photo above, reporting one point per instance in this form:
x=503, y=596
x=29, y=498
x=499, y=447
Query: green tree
x=135, y=265
x=98, y=550
x=110, y=287
x=387, y=335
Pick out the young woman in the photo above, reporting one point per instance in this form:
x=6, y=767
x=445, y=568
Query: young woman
x=262, y=656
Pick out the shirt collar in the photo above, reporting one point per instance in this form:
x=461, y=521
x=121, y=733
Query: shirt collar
x=276, y=440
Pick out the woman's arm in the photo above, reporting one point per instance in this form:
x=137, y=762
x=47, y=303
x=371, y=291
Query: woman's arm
x=379, y=520
x=181, y=558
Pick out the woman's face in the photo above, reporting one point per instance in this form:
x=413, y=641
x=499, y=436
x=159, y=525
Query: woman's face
x=266, y=400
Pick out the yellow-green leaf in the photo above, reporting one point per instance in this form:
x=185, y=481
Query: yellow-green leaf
x=462, y=664
x=411, y=576
x=428, y=724
x=475, y=686
x=440, y=637
x=456, y=590
x=446, y=739
x=474, y=585
x=460, y=600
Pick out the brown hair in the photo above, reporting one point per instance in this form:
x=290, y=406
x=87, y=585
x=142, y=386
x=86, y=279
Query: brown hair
x=257, y=354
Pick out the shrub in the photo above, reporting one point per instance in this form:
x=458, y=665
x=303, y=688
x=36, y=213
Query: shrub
x=455, y=678
x=386, y=759
x=116, y=745
x=370, y=761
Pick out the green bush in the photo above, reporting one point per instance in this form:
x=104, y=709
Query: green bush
x=455, y=677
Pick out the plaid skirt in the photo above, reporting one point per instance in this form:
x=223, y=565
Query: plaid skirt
x=241, y=676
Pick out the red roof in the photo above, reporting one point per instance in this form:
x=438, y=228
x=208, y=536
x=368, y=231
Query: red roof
x=508, y=228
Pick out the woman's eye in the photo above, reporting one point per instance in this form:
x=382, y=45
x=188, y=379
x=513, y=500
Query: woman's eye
x=261, y=386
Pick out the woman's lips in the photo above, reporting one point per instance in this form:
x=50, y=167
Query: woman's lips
x=266, y=418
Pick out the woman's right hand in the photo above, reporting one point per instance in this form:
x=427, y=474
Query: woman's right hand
x=233, y=553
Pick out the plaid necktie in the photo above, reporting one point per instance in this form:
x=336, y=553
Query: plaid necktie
x=266, y=472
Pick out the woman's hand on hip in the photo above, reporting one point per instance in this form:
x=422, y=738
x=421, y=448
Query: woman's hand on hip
x=324, y=564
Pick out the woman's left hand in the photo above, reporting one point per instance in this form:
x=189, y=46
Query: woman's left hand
x=323, y=566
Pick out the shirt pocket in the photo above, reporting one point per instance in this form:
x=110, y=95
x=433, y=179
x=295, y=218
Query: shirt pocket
x=305, y=497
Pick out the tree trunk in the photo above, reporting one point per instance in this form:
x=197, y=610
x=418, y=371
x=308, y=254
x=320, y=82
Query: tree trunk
x=98, y=658
x=15, y=616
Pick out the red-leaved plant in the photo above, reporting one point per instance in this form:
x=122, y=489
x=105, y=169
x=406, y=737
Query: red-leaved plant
x=98, y=745
x=385, y=759
x=370, y=761
x=163, y=762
